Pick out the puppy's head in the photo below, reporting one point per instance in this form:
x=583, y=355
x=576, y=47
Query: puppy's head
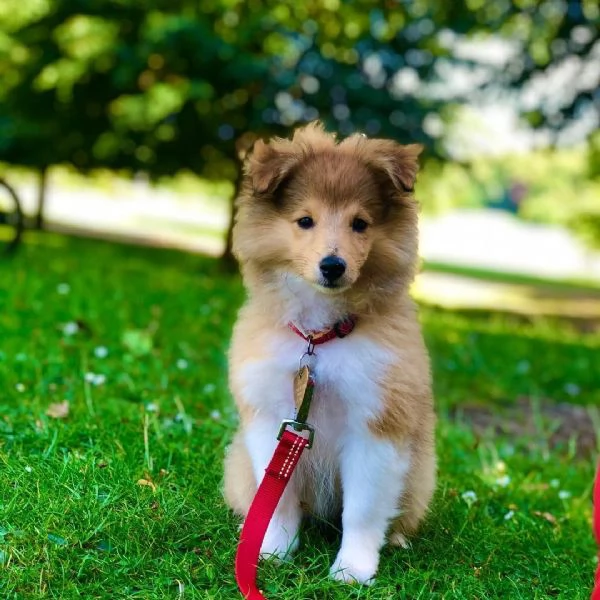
x=339, y=216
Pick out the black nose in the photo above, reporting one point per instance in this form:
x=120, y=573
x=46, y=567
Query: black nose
x=332, y=268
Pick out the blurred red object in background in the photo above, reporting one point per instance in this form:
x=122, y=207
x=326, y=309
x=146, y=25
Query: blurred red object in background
x=596, y=591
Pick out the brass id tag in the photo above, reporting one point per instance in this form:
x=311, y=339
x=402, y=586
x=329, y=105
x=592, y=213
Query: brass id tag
x=300, y=385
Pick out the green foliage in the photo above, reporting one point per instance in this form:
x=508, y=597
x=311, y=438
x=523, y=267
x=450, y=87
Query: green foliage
x=114, y=85
x=587, y=225
x=165, y=86
x=121, y=499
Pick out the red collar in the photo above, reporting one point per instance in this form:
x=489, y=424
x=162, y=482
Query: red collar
x=340, y=329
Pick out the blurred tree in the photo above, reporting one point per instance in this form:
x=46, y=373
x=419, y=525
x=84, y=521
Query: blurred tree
x=117, y=85
x=165, y=85
x=397, y=67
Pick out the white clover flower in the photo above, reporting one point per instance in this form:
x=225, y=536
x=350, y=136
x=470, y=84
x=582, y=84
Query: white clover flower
x=152, y=407
x=182, y=364
x=503, y=481
x=470, y=497
x=28, y=469
x=99, y=379
x=95, y=378
x=20, y=387
x=101, y=352
x=564, y=494
x=215, y=415
x=509, y=515
x=63, y=289
x=70, y=328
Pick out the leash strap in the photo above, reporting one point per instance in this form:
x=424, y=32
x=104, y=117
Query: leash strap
x=282, y=465
x=277, y=475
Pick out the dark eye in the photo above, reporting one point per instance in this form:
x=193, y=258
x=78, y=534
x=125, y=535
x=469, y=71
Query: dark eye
x=305, y=222
x=359, y=225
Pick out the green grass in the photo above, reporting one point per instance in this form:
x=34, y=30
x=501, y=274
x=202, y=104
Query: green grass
x=76, y=522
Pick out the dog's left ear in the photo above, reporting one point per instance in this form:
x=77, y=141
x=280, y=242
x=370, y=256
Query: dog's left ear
x=270, y=163
x=400, y=163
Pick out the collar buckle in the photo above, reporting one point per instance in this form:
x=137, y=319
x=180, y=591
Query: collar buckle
x=298, y=427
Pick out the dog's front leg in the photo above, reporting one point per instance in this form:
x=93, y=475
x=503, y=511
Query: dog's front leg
x=373, y=473
x=281, y=538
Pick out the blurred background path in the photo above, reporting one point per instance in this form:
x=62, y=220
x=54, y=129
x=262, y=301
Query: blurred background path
x=476, y=258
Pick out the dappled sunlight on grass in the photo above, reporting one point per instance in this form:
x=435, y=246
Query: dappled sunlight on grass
x=42, y=240
x=455, y=291
x=6, y=234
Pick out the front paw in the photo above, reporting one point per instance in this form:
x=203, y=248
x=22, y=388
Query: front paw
x=280, y=542
x=356, y=566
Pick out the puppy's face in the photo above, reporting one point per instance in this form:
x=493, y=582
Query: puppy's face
x=330, y=214
x=330, y=209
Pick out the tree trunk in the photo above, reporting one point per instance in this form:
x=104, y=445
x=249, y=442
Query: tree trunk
x=41, y=200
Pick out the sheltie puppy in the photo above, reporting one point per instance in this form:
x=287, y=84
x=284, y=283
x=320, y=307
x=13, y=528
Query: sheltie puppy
x=326, y=231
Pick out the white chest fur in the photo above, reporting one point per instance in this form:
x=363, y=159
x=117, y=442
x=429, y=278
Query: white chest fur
x=347, y=397
x=348, y=376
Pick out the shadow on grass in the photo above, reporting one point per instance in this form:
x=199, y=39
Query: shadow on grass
x=77, y=249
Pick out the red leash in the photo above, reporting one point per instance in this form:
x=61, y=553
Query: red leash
x=277, y=475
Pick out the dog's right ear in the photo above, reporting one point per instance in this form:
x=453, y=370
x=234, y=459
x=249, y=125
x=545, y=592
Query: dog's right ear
x=270, y=163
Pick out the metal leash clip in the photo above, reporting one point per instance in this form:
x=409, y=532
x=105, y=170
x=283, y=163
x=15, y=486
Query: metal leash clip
x=298, y=427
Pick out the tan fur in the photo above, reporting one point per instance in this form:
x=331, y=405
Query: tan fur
x=313, y=175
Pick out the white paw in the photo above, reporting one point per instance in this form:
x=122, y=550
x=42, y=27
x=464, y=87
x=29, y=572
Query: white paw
x=280, y=542
x=398, y=539
x=355, y=567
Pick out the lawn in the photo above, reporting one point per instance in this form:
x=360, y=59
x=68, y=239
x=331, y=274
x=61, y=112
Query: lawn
x=115, y=415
